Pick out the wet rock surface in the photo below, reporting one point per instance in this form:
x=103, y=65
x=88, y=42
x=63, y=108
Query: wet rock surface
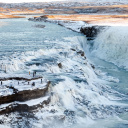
x=17, y=107
x=60, y=65
x=39, y=26
x=81, y=53
x=91, y=32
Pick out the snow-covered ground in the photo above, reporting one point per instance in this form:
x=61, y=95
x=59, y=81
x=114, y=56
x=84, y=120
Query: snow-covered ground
x=103, y=2
x=61, y=3
x=89, y=1
x=73, y=25
x=20, y=86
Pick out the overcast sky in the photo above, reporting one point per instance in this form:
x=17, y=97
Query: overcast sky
x=19, y=1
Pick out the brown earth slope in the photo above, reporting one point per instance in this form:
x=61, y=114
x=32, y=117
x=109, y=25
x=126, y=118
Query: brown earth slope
x=93, y=19
x=3, y=16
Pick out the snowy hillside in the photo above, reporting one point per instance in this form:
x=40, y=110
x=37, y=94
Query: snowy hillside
x=111, y=1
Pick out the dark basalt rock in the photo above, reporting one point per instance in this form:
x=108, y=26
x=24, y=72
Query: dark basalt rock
x=20, y=78
x=91, y=32
x=92, y=66
x=81, y=52
x=39, y=26
x=14, y=90
x=1, y=122
x=60, y=65
x=44, y=17
x=73, y=49
x=23, y=107
x=41, y=18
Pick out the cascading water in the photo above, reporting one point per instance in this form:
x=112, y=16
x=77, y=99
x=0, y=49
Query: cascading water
x=108, y=52
x=78, y=96
x=112, y=45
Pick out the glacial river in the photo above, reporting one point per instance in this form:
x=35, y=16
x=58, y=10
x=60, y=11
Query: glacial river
x=25, y=47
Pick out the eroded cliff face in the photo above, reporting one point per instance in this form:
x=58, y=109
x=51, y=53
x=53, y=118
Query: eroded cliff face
x=15, y=96
x=90, y=32
x=24, y=95
x=6, y=16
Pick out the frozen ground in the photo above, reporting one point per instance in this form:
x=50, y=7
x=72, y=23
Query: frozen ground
x=20, y=86
x=73, y=25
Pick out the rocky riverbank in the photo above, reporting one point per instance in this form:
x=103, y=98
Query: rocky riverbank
x=90, y=31
x=102, y=20
x=20, y=89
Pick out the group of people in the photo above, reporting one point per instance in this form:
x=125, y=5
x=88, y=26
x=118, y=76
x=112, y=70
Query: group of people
x=33, y=84
x=3, y=67
x=34, y=73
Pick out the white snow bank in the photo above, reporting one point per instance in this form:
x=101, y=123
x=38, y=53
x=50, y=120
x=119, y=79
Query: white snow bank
x=4, y=126
x=21, y=86
x=34, y=101
x=103, y=1
x=73, y=25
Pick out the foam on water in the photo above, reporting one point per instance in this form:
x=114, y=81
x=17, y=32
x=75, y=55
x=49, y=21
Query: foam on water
x=78, y=94
x=112, y=45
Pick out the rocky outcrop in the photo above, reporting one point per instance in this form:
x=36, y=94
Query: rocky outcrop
x=24, y=95
x=41, y=18
x=60, y=65
x=81, y=52
x=23, y=107
x=91, y=31
x=39, y=26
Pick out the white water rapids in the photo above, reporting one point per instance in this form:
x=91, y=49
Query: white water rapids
x=112, y=45
x=80, y=95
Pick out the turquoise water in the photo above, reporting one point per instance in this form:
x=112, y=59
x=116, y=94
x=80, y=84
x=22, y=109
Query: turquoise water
x=20, y=36
x=122, y=87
